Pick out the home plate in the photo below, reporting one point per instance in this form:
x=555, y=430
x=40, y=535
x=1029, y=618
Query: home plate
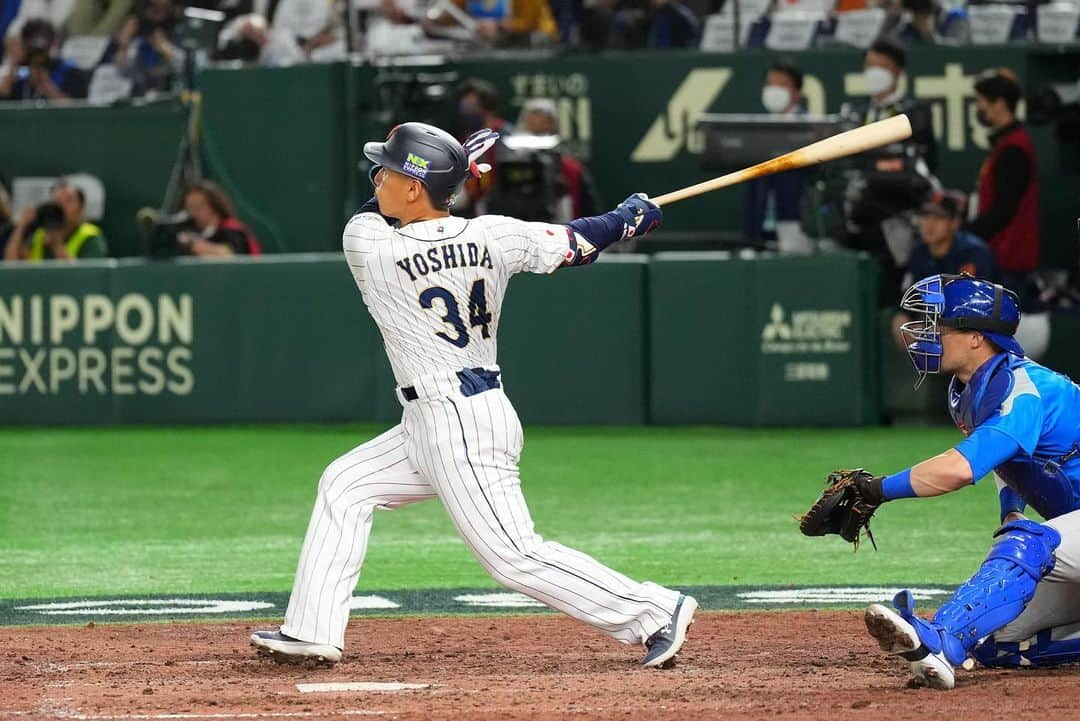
x=358, y=686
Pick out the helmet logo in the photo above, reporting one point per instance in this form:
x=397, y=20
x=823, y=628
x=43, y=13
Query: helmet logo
x=416, y=166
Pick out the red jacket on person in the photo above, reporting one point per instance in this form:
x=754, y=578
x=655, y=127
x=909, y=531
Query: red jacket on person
x=1016, y=240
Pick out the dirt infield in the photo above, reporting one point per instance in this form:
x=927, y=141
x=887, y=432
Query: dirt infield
x=805, y=665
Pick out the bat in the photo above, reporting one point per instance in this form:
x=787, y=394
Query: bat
x=858, y=140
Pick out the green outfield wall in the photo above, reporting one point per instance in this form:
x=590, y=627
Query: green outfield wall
x=287, y=142
x=625, y=341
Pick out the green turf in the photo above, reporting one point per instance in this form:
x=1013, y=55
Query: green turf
x=174, y=510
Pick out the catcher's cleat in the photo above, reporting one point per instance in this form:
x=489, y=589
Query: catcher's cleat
x=285, y=649
x=897, y=636
x=662, y=646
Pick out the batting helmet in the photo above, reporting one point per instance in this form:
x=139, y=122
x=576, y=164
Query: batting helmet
x=426, y=153
x=960, y=302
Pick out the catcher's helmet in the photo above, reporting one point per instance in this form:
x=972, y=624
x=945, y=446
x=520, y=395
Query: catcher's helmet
x=426, y=153
x=963, y=303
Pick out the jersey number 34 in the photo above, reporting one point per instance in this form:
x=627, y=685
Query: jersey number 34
x=478, y=312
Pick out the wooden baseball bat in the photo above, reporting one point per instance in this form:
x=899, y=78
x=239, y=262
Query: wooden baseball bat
x=874, y=135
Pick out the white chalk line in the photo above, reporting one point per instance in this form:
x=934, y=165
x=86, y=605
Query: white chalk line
x=340, y=686
x=163, y=716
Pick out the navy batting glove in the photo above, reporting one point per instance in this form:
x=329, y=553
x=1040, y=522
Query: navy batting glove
x=639, y=215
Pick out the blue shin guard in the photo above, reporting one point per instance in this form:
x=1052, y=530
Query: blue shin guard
x=1041, y=650
x=1022, y=554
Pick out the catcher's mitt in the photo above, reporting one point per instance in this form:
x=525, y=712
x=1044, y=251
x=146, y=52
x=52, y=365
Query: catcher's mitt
x=844, y=507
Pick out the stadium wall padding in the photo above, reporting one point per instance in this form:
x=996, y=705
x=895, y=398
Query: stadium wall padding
x=625, y=341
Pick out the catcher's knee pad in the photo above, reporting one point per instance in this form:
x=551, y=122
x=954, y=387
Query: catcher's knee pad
x=1040, y=650
x=1000, y=589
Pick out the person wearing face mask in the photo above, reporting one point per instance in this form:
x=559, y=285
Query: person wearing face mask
x=883, y=74
x=1008, y=185
x=895, y=178
x=772, y=203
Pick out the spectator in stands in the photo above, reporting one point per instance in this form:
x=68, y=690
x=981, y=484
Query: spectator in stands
x=772, y=204
x=145, y=50
x=511, y=24
x=539, y=117
x=945, y=248
x=57, y=230
x=930, y=24
x=1008, y=185
x=217, y=231
x=303, y=29
x=56, y=12
x=478, y=107
x=99, y=17
x=32, y=70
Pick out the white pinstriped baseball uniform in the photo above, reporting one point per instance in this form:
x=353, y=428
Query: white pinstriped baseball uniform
x=435, y=289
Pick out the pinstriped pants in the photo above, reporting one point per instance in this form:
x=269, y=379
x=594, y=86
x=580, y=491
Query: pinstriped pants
x=463, y=451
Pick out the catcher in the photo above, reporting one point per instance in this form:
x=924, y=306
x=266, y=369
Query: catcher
x=1021, y=421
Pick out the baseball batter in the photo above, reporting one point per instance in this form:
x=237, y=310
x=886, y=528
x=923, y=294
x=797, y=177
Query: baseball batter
x=434, y=285
x=1021, y=421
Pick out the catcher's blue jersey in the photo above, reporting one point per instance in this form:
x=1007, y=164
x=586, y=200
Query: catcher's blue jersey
x=1022, y=420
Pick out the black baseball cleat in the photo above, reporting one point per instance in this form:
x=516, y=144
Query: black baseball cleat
x=662, y=646
x=286, y=649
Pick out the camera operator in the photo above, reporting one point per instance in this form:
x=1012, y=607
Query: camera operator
x=32, y=70
x=893, y=180
x=884, y=68
x=146, y=49
x=56, y=230
x=216, y=231
x=539, y=118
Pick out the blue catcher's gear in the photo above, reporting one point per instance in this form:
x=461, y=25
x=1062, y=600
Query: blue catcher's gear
x=430, y=155
x=1023, y=421
x=1043, y=649
x=959, y=302
x=994, y=596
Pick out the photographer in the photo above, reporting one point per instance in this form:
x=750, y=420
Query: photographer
x=32, y=70
x=146, y=49
x=56, y=230
x=216, y=230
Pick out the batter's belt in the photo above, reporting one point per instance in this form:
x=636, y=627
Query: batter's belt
x=467, y=382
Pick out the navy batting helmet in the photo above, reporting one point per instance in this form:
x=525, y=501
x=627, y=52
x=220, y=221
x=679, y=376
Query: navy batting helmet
x=963, y=303
x=426, y=153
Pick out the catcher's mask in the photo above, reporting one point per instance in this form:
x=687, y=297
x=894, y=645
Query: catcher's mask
x=960, y=302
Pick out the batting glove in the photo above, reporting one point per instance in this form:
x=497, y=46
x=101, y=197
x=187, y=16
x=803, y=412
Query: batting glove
x=639, y=215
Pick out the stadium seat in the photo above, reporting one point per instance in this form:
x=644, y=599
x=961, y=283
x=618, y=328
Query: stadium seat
x=991, y=24
x=84, y=51
x=1057, y=22
x=793, y=30
x=719, y=29
x=859, y=27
